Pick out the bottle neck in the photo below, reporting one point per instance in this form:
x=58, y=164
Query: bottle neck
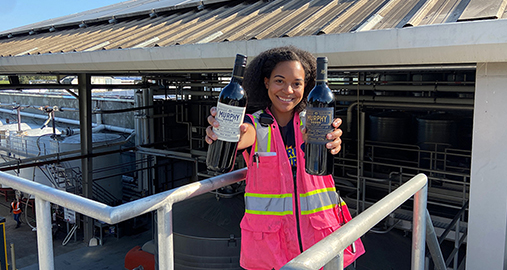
x=237, y=73
x=321, y=72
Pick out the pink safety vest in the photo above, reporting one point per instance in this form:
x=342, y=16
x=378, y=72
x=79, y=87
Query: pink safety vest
x=284, y=217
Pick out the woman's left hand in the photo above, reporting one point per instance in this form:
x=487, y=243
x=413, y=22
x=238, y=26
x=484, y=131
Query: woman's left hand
x=335, y=144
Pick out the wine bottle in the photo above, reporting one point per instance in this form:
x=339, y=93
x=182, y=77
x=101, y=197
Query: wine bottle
x=319, y=119
x=231, y=107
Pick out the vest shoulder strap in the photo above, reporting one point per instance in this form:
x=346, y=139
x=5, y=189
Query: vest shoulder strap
x=263, y=142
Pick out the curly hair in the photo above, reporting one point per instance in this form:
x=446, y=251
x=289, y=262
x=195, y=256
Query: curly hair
x=262, y=66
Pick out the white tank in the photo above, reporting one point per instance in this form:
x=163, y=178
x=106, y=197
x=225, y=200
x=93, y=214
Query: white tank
x=24, y=144
x=106, y=170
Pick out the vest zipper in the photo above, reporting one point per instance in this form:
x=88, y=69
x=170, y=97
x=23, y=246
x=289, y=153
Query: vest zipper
x=298, y=225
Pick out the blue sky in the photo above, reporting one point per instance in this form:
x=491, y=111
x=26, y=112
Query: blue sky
x=16, y=13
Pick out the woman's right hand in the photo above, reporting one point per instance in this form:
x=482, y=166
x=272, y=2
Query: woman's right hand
x=210, y=135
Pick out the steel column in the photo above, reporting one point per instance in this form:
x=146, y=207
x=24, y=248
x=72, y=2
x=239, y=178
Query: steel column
x=85, y=118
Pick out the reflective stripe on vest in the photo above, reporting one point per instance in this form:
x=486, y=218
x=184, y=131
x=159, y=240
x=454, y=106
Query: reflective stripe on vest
x=268, y=204
x=263, y=142
x=318, y=200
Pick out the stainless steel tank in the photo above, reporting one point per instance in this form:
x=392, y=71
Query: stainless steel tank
x=207, y=234
x=437, y=131
x=106, y=169
x=391, y=126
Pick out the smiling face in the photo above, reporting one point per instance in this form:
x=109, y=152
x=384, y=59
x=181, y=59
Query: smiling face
x=285, y=89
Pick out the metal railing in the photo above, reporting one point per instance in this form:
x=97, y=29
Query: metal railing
x=329, y=251
x=161, y=202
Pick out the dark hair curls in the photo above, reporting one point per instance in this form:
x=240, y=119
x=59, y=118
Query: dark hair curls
x=262, y=66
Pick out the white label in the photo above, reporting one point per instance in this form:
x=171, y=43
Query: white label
x=230, y=118
x=69, y=215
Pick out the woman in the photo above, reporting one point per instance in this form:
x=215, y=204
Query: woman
x=286, y=209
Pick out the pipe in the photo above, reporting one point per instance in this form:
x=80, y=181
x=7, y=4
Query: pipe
x=138, y=102
x=165, y=153
x=68, y=121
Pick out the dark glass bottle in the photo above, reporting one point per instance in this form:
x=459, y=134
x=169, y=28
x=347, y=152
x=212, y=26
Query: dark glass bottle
x=319, y=119
x=231, y=109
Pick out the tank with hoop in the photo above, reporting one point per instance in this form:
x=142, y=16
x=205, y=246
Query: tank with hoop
x=106, y=168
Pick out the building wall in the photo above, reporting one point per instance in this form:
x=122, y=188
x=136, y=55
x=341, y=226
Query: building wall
x=488, y=191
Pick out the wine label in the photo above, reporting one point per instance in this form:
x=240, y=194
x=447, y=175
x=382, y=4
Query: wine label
x=318, y=124
x=230, y=118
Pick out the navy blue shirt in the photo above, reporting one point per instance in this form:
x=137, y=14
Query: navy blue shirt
x=288, y=137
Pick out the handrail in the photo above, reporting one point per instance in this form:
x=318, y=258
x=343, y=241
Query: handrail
x=162, y=202
x=333, y=245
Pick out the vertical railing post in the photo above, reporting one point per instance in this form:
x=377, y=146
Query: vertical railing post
x=419, y=229
x=433, y=245
x=44, y=237
x=336, y=263
x=165, y=237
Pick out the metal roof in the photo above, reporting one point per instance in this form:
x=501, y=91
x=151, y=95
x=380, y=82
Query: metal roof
x=215, y=22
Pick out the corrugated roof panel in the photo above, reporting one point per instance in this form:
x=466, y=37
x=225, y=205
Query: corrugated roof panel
x=422, y=13
x=269, y=17
x=82, y=40
x=337, y=23
x=156, y=28
x=116, y=36
x=290, y=17
x=266, y=12
x=209, y=26
x=311, y=18
x=483, y=9
x=171, y=34
x=215, y=32
x=444, y=11
x=329, y=12
x=398, y=15
x=360, y=16
x=145, y=31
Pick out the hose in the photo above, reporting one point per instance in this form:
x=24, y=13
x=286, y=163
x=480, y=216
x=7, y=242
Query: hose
x=69, y=235
x=34, y=228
